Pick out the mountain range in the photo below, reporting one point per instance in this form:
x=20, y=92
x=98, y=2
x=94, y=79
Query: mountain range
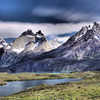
x=33, y=53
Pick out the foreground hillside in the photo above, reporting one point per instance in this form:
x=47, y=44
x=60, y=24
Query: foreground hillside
x=86, y=89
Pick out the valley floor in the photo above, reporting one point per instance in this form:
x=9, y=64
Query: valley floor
x=86, y=89
x=6, y=77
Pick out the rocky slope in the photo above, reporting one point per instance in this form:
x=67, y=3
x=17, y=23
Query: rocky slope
x=27, y=42
x=80, y=53
x=3, y=46
x=30, y=41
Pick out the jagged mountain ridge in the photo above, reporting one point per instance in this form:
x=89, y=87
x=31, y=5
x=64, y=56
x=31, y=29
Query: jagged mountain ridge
x=26, y=42
x=30, y=40
x=85, y=41
x=79, y=53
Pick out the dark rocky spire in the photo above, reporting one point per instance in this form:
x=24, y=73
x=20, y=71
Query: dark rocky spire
x=40, y=37
x=39, y=33
x=28, y=32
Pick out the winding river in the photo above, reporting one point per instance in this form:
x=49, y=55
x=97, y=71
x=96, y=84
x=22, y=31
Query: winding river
x=18, y=86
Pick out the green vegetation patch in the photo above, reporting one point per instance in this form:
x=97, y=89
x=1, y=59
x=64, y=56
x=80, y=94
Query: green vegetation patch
x=86, y=89
x=5, y=77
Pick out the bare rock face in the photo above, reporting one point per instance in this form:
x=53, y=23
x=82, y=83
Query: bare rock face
x=30, y=41
x=27, y=42
x=19, y=44
x=3, y=46
x=39, y=45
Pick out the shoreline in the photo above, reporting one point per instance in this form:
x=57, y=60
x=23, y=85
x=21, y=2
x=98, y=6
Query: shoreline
x=86, y=89
x=6, y=77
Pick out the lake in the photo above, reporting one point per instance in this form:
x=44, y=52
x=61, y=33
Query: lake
x=18, y=86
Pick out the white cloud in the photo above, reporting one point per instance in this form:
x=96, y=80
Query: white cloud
x=14, y=29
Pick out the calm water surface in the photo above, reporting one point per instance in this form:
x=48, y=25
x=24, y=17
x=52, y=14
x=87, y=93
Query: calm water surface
x=18, y=86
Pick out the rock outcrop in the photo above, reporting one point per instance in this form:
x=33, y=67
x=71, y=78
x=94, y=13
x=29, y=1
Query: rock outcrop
x=3, y=46
x=27, y=42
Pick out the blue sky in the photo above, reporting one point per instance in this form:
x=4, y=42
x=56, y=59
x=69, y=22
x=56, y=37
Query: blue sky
x=50, y=11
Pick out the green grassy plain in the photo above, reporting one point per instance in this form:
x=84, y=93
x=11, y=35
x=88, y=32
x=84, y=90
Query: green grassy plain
x=86, y=89
x=5, y=77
